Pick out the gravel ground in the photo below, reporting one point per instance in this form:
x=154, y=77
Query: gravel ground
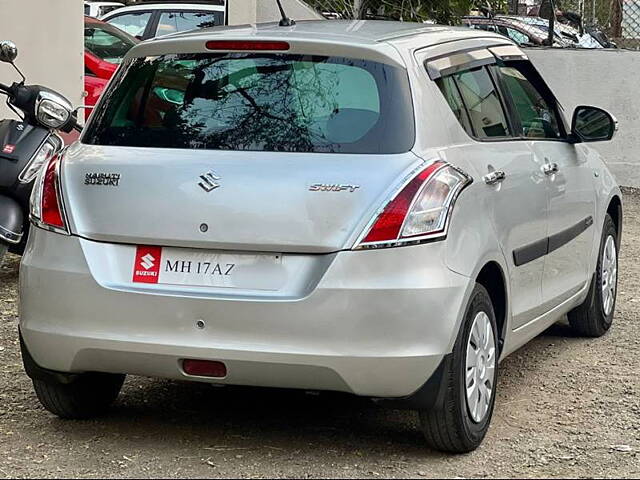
x=567, y=407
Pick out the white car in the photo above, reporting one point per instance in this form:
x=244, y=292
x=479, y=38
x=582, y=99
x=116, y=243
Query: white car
x=154, y=20
x=98, y=9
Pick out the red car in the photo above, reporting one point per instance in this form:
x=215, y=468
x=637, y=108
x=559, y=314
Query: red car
x=104, y=48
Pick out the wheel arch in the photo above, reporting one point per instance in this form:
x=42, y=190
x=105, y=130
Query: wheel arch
x=493, y=279
x=614, y=209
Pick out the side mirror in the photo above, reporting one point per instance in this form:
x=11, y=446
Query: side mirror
x=592, y=124
x=8, y=51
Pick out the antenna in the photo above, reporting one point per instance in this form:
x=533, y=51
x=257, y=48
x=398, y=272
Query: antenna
x=286, y=21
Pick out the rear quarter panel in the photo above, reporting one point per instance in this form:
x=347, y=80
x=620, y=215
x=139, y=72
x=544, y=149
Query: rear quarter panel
x=471, y=241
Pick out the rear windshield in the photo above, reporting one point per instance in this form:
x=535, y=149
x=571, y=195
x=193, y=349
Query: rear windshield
x=258, y=102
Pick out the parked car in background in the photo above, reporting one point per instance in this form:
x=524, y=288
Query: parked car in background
x=104, y=48
x=379, y=208
x=97, y=9
x=524, y=34
x=149, y=20
x=569, y=34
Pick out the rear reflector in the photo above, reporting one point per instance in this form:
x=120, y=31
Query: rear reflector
x=204, y=368
x=244, y=45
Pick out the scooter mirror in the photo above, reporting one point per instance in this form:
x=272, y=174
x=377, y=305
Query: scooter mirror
x=8, y=51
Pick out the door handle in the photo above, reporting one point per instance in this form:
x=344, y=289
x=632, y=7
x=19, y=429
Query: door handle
x=550, y=168
x=494, y=177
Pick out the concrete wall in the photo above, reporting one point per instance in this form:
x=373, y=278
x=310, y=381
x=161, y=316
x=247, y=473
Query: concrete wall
x=604, y=78
x=50, y=37
x=259, y=11
x=242, y=12
x=268, y=12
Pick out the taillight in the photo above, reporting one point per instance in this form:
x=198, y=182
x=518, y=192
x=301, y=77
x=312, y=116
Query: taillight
x=247, y=45
x=46, y=203
x=419, y=211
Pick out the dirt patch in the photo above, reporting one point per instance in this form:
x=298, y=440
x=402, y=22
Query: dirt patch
x=567, y=407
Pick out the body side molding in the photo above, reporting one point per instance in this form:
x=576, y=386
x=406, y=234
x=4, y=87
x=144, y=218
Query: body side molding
x=543, y=247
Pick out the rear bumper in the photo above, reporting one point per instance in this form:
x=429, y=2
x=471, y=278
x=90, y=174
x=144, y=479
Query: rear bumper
x=373, y=323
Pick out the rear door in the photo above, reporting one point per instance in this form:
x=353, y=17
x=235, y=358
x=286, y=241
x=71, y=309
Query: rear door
x=241, y=151
x=567, y=177
x=511, y=185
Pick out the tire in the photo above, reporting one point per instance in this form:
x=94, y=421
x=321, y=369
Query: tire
x=89, y=396
x=452, y=426
x=594, y=317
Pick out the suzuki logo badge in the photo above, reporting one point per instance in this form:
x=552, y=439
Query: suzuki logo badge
x=209, y=181
x=148, y=261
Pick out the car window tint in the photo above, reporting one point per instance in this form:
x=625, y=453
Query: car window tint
x=258, y=102
x=517, y=36
x=452, y=96
x=133, y=23
x=106, y=43
x=482, y=102
x=173, y=22
x=538, y=117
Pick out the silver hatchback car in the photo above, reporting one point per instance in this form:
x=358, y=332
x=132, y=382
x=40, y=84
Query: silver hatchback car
x=378, y=208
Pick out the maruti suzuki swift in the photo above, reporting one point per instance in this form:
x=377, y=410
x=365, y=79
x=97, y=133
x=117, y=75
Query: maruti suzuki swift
x=386, y=209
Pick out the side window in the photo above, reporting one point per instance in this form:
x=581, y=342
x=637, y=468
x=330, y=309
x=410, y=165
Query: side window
x=452, y=95
x=104, y=44
x=534, y=107
x=173, y=22
x=515, y=35
x=133, y=23
x=518, y=37
x=87, y=9
x=478, y=94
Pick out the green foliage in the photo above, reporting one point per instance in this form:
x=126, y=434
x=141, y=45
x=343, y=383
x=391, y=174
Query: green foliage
x=440, y=11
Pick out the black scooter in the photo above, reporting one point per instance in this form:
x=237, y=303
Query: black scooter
x=25, y=146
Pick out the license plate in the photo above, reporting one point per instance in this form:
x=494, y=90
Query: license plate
x=202, y=268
